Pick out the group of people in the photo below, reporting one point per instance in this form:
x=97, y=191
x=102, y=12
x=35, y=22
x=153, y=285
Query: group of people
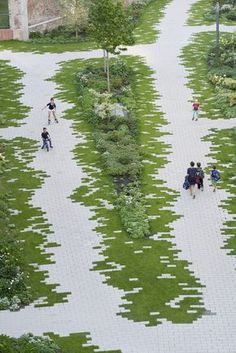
x=195, y=176
x=47, y=142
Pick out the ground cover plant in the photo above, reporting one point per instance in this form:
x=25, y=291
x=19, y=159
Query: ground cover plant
x=28, y=344
x=224, y=153
x=156, y=283
x=212, y=80
x=203, y=13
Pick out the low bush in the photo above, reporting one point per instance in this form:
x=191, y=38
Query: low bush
x=61, y=34
x=28, y=344
x=222, y=74
x=131, y=205
x=112, y=117
x=227, y=11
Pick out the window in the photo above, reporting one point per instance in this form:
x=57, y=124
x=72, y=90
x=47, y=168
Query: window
x=4, y=14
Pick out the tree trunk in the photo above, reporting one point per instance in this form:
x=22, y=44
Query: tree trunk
x=108, y=74
x=217, y=29
x=105, y=60
x=76, y=32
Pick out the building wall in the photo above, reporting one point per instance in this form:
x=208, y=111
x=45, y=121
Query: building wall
x=18, y=19
x=42, y=10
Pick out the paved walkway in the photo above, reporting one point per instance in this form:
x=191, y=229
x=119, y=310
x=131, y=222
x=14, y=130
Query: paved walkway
x=93, y=305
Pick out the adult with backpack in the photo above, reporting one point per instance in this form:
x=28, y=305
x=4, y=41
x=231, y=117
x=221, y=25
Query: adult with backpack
x=200, y=176
x=191, y=178
x=215, y=177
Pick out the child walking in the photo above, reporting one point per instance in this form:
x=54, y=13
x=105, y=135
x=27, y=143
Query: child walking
x=215, y=177
x=196, y=107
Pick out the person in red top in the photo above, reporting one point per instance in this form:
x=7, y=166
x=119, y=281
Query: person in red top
x=196, y=107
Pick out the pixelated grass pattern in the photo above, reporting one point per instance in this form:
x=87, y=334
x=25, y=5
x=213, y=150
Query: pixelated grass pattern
x=156, y=283
x=20, y=182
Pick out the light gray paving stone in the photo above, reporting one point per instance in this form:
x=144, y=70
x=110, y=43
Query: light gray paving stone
x=93, y=306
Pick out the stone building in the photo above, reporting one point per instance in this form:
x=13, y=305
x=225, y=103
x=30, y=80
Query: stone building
x=18, y=17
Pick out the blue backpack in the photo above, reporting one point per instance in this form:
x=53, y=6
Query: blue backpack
x=186, y=184
x=215, y=174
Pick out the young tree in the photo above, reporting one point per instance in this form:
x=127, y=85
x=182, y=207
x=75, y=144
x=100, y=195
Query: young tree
x=111, y=27
x=76, y=13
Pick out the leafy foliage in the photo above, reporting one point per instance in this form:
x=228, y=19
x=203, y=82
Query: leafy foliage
x=115, y=134
x=222, y=74
x=110, y=25
x=28, y=344
x=76, y=14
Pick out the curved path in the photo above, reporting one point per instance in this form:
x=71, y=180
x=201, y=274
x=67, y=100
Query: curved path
x=197, y=233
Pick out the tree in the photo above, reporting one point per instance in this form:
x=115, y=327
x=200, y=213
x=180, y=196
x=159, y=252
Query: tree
x=76, y=14
x=111, y=27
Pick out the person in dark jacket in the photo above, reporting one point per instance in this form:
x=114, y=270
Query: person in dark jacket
x=192, y=173
x=200, y=176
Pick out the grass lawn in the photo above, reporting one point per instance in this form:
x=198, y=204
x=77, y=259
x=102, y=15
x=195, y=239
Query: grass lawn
x=77, y=343
x=146, y=31
x=194, y=59
x=197, y=12
x=157, y=284
x=224, y=152
x=12, y=111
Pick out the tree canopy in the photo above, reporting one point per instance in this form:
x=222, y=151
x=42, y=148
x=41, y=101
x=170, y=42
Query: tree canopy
x=110, y=25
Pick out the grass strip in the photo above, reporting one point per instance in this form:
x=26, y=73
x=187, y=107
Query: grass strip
x=77, y=343
x=194, y=58
x=224, y=152
x=12, y=110
x=146, y=32
x=156, y=283
x=202, y=13
x=19, y=182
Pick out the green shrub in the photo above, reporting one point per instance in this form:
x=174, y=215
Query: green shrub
x=222, y=75
x=131, y=206
x=231, y=15
x=115, y=136
x=28, y=344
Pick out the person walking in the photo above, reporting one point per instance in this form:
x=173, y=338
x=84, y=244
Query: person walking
x=191, y=175
x=200, y=176
x=51, y=110
x=215, y=177
x=196, y=107
x=46, y=139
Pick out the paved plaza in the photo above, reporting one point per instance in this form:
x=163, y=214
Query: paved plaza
x=92, y=305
